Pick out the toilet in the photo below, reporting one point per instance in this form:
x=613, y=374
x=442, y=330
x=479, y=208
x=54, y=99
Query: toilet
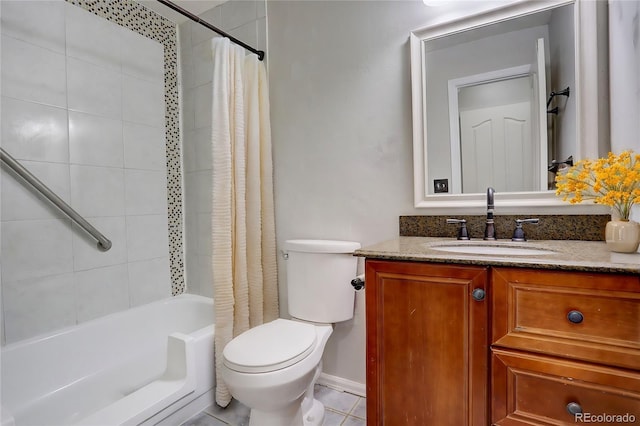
x=272, y=368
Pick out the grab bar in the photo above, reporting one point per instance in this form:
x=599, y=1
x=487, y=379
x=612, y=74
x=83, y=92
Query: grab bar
x=103, y=242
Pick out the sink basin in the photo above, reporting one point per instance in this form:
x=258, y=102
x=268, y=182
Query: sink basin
x=491, y=249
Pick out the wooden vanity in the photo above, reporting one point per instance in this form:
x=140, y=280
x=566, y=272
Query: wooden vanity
x=457, y=340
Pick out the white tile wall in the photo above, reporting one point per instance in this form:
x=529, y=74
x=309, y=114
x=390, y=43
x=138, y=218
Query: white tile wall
x=54, y=297
x=247, y=33
x=202, y=148
x=93, y=39
x=141, y=56
x=188, y=151
x=87, y=256
x=147, y=282
x=19, y=203
x=145, y=192
x=245, y=20
x=194, y=277
x=95, y=140
x=202, y=105
x=141, y=150
x=143, y=101
x=202, y=63
x=204, y=232
x=36, y=22
x=101, y=291
x=97, y=191
x=33, y=73
x=200, y=33
x=35, y=248
x=94, y=89
x=202, y=195
x=32, y=131
x=261, y=10
x=202, y=272
x=143, y=243
x=188, y=109
x=186, y=58
x=238, y=13
x=262, y=35
x=83, y=109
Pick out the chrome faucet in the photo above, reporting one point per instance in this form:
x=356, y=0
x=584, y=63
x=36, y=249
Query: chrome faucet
x=490, y=228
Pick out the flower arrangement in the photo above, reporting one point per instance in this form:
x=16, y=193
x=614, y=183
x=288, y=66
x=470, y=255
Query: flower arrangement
x=612, y=181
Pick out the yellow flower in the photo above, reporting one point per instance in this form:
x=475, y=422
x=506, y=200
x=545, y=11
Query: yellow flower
x=612, y=181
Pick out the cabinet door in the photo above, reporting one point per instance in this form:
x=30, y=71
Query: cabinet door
x=427, y=344
x=530, y=389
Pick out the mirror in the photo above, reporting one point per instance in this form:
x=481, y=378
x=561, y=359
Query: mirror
x=497, y=97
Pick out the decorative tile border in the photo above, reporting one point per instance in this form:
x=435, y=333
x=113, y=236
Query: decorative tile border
x=133, y=16
x=551, y=227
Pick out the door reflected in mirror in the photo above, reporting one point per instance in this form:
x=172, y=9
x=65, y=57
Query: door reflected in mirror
x=496, y=144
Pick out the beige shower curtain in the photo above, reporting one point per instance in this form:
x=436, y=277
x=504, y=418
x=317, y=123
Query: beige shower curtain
x=243, y=225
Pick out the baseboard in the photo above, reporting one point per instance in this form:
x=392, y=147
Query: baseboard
x=341, y=384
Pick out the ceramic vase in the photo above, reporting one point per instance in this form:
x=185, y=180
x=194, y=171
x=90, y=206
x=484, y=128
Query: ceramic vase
x=622, y=236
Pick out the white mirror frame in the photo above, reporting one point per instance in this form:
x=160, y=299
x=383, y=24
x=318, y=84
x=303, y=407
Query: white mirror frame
x=586, y=93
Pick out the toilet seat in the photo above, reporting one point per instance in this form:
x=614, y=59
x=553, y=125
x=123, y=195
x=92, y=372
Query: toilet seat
x=269, y=347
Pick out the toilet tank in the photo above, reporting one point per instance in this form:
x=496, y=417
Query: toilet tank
x=319, y=274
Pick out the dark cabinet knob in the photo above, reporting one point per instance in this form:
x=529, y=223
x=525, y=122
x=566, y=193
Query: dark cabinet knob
x=574, y=408
x=478, y=294
x=575, y=317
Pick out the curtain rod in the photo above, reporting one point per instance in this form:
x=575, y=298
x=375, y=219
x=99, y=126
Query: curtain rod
x=195, y=18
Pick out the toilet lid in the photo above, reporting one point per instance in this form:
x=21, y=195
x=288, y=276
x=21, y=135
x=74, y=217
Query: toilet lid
x=269, y=347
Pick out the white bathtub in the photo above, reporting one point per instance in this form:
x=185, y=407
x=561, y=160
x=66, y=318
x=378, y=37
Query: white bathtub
x=149, y=365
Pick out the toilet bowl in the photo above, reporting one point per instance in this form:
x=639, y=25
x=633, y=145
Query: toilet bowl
x=272, y=368
x=275, y=384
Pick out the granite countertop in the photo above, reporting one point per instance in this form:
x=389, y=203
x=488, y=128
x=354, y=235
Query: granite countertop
x=592, y=256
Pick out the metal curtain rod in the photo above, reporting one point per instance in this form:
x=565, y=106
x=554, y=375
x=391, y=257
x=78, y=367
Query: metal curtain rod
x=195, y=18
x=103, y=242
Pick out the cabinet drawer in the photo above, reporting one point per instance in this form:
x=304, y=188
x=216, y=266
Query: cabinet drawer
x=537, y=390
x=593, y=317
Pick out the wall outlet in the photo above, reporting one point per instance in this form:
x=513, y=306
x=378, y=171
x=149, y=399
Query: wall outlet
x=440, y=185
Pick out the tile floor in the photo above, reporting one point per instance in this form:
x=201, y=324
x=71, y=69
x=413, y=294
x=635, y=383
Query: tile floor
x=341, y=409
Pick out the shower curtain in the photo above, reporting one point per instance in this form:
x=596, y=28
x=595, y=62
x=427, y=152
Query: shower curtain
x=243, y=224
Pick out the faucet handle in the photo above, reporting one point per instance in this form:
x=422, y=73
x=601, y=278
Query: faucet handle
x=463, y=233
x=518, y=233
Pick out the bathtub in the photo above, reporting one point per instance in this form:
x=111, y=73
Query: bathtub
x=149, y=365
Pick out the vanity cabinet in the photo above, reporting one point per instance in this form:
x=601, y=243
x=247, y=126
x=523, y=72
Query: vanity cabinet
x=427, y=344
x=564, y=343
x=542, y=345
